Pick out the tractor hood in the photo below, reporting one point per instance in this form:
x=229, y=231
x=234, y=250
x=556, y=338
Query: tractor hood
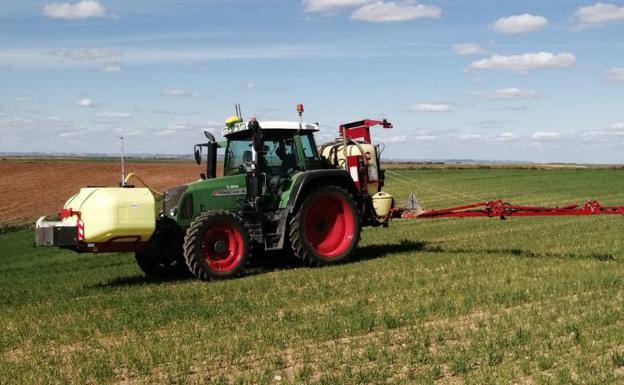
x=185, y=202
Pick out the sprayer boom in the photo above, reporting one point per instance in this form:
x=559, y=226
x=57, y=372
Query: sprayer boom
x=498, y=208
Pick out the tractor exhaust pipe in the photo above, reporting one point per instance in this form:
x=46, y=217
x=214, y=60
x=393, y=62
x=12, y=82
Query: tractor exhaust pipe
x=211, y=156
x=122, y=182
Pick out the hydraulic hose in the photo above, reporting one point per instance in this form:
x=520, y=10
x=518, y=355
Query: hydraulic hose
x=158, y=195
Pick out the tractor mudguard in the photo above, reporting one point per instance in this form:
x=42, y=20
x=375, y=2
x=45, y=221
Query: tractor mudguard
x=309, y=179
x=333, y=177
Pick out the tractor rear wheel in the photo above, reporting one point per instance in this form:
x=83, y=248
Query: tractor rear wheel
x=217, y=245
x=326, y=228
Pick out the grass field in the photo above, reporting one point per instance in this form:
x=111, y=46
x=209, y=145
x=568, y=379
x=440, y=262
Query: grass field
x=457, y=301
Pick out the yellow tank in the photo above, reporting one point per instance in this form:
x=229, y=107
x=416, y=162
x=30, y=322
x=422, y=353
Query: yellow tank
x=114, y=213
x=382, y=203
x=335, y=154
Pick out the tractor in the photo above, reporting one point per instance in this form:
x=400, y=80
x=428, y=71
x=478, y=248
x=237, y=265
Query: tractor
x=277, y=191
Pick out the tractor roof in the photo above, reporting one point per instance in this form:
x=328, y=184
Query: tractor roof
x=271, y=125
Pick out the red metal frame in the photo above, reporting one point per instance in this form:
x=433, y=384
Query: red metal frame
x=361, y=129
x=498, y=208
x=353, y=167
x=112, y=245
x=66, y=213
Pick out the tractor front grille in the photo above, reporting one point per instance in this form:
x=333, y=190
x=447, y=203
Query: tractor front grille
x=172, y=198
x=186, y=207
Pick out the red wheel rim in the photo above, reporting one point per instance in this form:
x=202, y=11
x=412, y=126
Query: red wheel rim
x=329, y=225
x=222, y=247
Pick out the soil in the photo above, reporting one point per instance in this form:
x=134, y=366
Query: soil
x=30, y=188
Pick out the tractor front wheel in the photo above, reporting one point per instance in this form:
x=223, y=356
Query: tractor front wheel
x=326, y=228
x=163, y=259
x=217, y=245
x=156, y=266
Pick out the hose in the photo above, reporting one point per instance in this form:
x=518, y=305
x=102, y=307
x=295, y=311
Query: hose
x=335, y=148
x=158, y=195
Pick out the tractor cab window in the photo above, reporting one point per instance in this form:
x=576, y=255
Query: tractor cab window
x=237, y=155
x=279, y=154
x=309, y=147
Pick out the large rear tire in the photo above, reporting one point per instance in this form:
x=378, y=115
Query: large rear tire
x=326, y=228
x=217, y=246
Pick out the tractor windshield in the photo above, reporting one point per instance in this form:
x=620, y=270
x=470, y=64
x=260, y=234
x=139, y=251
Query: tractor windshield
x=238, y=154
x=279, y=158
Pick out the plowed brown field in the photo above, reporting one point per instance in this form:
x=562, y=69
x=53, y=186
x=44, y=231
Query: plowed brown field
x=35, y=187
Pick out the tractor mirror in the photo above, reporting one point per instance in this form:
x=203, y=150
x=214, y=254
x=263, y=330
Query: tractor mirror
x=209, y=136
x=198, y=155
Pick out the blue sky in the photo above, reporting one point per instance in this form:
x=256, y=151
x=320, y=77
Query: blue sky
x=488, y=79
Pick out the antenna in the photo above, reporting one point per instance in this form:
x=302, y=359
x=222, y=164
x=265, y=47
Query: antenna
x=238, y=111
x=123, y=169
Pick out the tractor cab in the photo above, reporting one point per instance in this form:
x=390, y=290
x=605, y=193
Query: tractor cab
x=285, y=147
x=270, y=156
x=261, y=162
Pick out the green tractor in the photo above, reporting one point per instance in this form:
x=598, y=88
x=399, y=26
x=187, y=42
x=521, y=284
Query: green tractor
x=277, y=191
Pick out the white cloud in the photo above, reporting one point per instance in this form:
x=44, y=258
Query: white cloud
x=83, y=10
x=165, y=132
x=525, y=62
x=92, y=54
x=471, y=136
x=598, y=14
x=176, y=113
x=506, y=137
x=86, y=102
x=617, y=126
x=512, y=93
x=395, y=11
x=68, y=134
x=425, y=137
x=250, y=86
x=430, y=107
x=331, y=5
x=181, y=126
x=112, y=68
x=179, y=93
x=490, y=123
x=520, y=24
x=616, y=74
x=114, y=115
x=23, y=98
x=545, y=136
x=468, y=49
x=185, y=125
x=612, y=134
x=42, y=57
x=396, y=139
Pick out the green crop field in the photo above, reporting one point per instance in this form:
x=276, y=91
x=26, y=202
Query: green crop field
x=447, y=301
